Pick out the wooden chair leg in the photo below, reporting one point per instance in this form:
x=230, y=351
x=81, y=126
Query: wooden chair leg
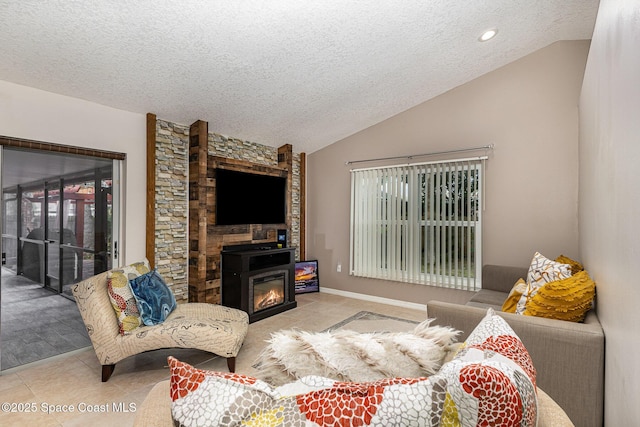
x=231, y=364
x=107, y=370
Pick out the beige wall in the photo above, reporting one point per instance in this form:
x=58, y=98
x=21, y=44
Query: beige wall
x=610, y=197
x=44, y=116
x=528, y=109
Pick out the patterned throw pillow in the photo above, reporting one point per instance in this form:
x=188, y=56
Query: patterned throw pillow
x=542, y=270
x=491, y=381
x=576, y=267
x=154, y=298
x=568, y=299
x=214, y=398
x=510, y=304
x=122, y=299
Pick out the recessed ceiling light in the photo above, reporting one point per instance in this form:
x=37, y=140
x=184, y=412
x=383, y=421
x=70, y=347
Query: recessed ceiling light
x=488, y=35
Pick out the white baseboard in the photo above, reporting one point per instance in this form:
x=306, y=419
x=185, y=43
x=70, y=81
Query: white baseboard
x=371, y=298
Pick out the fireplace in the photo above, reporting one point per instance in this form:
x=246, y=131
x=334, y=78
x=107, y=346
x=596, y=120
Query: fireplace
x=258, y=279
x=267, y=290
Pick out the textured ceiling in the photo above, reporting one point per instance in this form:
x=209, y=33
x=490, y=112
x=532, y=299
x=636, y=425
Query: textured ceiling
x=307, y=73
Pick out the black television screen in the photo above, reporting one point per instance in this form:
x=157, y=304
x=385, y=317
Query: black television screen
x=248, y=198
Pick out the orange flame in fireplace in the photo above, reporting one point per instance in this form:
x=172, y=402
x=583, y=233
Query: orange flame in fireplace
x=272, y=298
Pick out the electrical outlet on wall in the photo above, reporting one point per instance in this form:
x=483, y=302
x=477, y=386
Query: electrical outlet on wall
x=339, y=268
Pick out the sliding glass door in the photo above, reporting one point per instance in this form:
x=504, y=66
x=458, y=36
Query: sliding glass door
x=60, y=224
x=79, y=232
x=62, y=228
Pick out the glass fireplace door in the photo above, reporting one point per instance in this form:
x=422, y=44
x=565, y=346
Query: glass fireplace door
x=268, y=291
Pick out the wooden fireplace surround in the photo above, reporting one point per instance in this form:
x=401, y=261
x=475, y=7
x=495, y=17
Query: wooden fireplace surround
x=206, y=239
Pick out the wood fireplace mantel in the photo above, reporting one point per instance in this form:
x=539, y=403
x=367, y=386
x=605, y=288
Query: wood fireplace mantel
x=206, y=239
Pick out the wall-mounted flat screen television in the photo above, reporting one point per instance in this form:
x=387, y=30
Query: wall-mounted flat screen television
x=249, y=198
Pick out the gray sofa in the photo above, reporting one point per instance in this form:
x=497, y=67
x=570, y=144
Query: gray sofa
x=568, y=357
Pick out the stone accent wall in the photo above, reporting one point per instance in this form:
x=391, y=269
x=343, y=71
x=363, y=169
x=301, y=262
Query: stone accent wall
x=294, y=237
x=172, y=142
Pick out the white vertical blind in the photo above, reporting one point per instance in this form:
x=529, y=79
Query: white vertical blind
x=418, y=223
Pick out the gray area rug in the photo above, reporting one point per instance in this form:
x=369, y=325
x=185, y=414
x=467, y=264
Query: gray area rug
x=367, y=321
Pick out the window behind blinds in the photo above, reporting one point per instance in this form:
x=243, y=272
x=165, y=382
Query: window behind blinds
x=418, y=223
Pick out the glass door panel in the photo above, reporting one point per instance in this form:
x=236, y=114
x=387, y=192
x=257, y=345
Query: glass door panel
x=87, y=220
x=10, y=230
x=32, y=238
x=79, y=238
x=53, y=237
x=104, y=221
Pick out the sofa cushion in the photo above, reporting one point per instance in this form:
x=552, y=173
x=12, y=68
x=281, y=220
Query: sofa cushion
x=489, y=297
x=492, y=380
x=500, y=277
x=483, y=305
x=568, y=299
x=154, y=298
x=121, y=296
x=541, y=270
x=210, y=398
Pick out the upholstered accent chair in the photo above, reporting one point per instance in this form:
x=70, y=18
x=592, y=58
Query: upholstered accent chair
x=208, y=327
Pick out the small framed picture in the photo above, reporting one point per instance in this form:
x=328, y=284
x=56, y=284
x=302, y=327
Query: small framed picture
x=307, y=277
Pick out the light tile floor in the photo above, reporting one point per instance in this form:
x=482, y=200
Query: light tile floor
x=74, y=379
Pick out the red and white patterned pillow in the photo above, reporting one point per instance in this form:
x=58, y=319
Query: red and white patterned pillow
x=491, y=380
x=206, y=398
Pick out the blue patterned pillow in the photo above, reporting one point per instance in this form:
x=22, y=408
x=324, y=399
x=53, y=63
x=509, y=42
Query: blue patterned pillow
x=154, y=298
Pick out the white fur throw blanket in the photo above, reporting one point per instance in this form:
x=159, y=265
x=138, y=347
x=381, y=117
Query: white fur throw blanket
x=353, y=356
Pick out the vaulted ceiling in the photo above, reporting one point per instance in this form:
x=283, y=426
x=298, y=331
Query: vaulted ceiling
x=307, y=73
